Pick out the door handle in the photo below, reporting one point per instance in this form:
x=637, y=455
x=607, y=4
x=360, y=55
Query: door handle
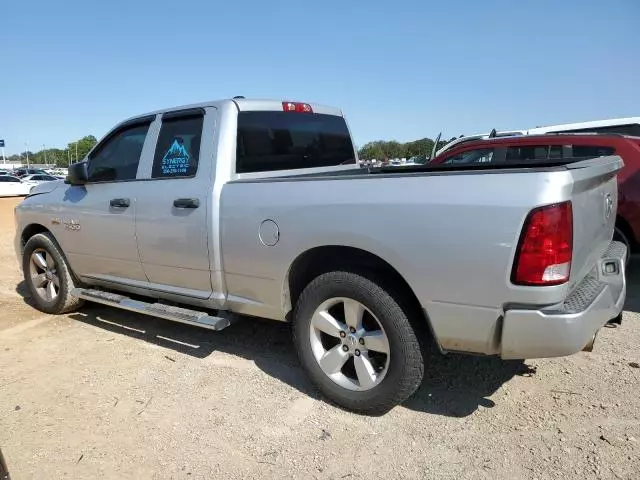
x=186, y=203
x=119, y=202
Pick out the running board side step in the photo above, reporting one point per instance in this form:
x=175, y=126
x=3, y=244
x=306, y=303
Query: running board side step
x=168, y=312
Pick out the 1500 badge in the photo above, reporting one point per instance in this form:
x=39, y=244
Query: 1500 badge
x=69, y=223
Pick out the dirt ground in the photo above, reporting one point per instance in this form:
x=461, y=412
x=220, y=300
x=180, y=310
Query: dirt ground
x=107, y=394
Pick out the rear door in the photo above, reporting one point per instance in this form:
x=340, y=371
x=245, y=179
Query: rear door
x=173, y=212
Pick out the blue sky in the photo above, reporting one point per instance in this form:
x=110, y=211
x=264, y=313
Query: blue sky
x=399, y=69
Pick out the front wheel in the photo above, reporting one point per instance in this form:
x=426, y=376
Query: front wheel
x=356, y=343
x=48, y=276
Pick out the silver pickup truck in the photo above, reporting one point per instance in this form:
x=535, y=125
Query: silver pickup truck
x=207, y=213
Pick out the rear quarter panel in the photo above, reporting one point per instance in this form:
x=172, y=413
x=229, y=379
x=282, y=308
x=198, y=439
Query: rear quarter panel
x=451, y=236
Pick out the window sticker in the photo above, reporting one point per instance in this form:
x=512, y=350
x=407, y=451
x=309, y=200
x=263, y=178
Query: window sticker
x=176, y=160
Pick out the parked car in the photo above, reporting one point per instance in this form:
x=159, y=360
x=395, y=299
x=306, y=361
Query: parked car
x=622, y=126
x=14, y=187
x=562, y=147
x=23, y=172
x=260, y=208
x=37, y=179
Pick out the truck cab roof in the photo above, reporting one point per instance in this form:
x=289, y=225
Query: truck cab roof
x=242, y=104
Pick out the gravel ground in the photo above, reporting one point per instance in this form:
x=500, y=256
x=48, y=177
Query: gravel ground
x=106, y=394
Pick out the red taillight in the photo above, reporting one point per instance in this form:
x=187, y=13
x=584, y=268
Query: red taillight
x=546, y=247
x=296, y=107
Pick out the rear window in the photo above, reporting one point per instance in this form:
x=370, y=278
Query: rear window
x=482, y=155
x=272, y=141
x=534, y=152
x=592, y=151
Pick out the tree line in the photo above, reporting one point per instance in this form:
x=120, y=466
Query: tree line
x=379, y=150
x=60, y=157
x=386, y=150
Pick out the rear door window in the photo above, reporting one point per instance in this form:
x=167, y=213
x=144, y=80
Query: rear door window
x=481, y=155
x=178, y=148
x=533, y=152
x=272, y=141
x=592, y=151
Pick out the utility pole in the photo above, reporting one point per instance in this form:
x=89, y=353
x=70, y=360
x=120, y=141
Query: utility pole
x=26, y=152
x=45, y=154
x=76, y=151
x=69, y=155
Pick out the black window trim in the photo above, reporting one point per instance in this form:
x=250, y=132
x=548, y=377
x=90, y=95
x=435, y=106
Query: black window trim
x=188, y=112
x=136, y=122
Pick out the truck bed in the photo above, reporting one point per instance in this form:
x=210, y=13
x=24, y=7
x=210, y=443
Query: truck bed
x=450, y=232
x=432, y=169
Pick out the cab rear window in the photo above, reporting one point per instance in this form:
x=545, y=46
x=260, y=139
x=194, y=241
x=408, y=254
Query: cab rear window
x=272, y=141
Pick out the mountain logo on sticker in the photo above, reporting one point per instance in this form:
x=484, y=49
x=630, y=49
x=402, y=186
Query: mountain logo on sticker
x=177, y=151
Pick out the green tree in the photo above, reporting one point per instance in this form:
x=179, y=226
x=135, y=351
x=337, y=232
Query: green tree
x=51, y=156
x=84, y=145
x=372, y=150
x=380, y=149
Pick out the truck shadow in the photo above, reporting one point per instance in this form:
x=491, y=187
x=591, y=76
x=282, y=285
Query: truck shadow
x=454, y=385
x=633, y=287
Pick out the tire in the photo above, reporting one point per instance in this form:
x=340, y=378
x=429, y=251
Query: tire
x=49, y=271
x=404, y=364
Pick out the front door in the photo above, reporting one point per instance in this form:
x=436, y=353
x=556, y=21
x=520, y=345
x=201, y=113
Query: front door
x=96, y=225
x=172, y=212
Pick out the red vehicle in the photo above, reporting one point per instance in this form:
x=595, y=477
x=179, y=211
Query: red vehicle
x=524, y=148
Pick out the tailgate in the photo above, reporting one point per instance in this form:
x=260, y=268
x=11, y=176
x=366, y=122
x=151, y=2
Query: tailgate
x=595, y=203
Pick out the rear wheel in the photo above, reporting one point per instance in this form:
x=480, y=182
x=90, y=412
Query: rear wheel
x=48, y=276
x=356, y=343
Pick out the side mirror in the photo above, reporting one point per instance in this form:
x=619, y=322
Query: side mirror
x=78, y=174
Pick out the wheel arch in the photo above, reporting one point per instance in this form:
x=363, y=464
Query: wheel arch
x=31, y=230
x=318, y=260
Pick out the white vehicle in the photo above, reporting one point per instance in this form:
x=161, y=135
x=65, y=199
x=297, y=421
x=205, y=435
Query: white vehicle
x=14, y=187
x=37, y=179
x=622, y=126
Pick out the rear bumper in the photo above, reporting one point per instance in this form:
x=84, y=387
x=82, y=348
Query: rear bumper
x=568, y=328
